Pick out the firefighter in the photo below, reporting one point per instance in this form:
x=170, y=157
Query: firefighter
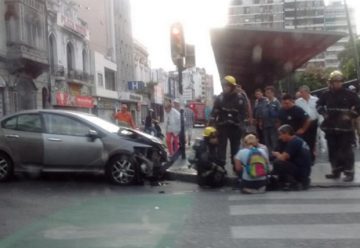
x=339, y=107
x=226, y=116
x=209, y=170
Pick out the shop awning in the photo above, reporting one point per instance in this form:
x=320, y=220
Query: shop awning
x=258, y=57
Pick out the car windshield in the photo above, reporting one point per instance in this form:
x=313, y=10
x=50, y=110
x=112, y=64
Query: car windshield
x=108, y=126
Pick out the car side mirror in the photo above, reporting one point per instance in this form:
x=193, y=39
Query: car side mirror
x=93, y=134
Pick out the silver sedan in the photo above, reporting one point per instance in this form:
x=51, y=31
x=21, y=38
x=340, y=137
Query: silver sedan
x=57, y=140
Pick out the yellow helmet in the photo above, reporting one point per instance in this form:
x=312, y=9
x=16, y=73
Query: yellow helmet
x=336, y=76
x=230, y=80
x=209, y=131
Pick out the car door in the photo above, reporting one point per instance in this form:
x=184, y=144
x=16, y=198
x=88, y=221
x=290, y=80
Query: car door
x=23, y=135
x=67, y=143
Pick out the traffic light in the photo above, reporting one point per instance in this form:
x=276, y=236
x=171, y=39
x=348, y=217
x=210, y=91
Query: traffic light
x=177, y=43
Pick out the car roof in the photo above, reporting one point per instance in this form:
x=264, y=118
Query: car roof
x=54, y=111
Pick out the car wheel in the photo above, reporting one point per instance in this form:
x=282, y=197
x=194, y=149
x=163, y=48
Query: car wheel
x=6, y=168
x=122, y=170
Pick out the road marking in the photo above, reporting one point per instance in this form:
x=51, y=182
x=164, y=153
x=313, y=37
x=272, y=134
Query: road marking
x=308, y=195
x=317, y=231
x=269, y=209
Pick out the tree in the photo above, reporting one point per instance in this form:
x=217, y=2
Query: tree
x=347, y=60
x=314, y=76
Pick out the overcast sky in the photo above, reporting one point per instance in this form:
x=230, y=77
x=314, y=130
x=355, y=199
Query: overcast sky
x=151, y=22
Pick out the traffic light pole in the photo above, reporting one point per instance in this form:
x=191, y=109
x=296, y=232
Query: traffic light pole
x=182, y=119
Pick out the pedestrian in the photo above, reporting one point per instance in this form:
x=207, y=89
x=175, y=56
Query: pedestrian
x=158, y=130
x=252, y=165
x=148, y=128
x=172, y=128
x=259, y=109
x=189, y=123
x=124, y=117
x=339, y=107
x=308, y=103
x=226, y=117
x=293, y=115
x=249, y=113
x=293, y=164
x=356, y=122
x=270, y=117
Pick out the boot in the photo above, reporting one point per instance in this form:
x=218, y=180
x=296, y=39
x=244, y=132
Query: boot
x=348, y=178
x=333, y=176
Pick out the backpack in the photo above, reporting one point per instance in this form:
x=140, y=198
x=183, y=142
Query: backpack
x=256, y=165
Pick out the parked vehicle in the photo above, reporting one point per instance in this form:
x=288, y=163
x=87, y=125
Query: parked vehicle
x=199, y=112
x=61, y=141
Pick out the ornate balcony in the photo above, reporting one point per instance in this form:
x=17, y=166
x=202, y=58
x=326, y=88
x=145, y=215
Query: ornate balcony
x=81, y=77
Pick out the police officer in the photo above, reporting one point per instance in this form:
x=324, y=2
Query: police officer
x=339, y=107
x=228, y=118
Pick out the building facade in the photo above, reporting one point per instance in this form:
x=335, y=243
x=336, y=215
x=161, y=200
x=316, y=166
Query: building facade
x=70, y=73
x=265, y=13
x=100, y=19
x=142, y=76
x=105, y=93
x=142, y=70
x=160, y=78
x=124, y=42
x=209, y=90
x=103, y=60
x=113, y=39
x=336, y=21
x=23, y=55
x=197, y=85
x=280, y=14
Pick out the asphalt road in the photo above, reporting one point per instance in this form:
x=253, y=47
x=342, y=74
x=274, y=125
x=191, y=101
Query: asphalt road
x=85, y=211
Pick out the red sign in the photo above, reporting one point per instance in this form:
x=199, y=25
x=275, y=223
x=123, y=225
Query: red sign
x=64, y=99
x=84, y=101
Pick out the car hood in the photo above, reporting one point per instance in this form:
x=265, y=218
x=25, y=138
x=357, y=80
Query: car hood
x=132, y=133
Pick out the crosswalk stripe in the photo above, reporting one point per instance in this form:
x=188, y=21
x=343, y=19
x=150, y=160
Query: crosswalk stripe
x=321, y=195
x=268, y=209
x=314, y=231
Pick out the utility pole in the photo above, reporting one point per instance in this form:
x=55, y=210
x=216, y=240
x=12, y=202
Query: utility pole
x=182, y=117
x=177, y=41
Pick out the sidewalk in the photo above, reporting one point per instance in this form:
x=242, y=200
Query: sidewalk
x=180, y=171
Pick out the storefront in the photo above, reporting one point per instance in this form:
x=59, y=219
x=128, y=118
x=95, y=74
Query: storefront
x=105, y=108
x=73, y=96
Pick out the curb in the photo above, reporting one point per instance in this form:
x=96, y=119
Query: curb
x=231, y=181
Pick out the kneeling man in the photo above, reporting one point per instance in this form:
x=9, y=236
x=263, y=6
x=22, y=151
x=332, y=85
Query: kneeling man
x=293, y=163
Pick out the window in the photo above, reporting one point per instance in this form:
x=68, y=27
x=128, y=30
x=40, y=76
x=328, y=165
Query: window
x=100, y=80
x=237, y=2
x=63, y=125
x=70, y=57
x=10, y=123
x=26, y=123
x=85, y=61
x=29, y=123
x=110, y=79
